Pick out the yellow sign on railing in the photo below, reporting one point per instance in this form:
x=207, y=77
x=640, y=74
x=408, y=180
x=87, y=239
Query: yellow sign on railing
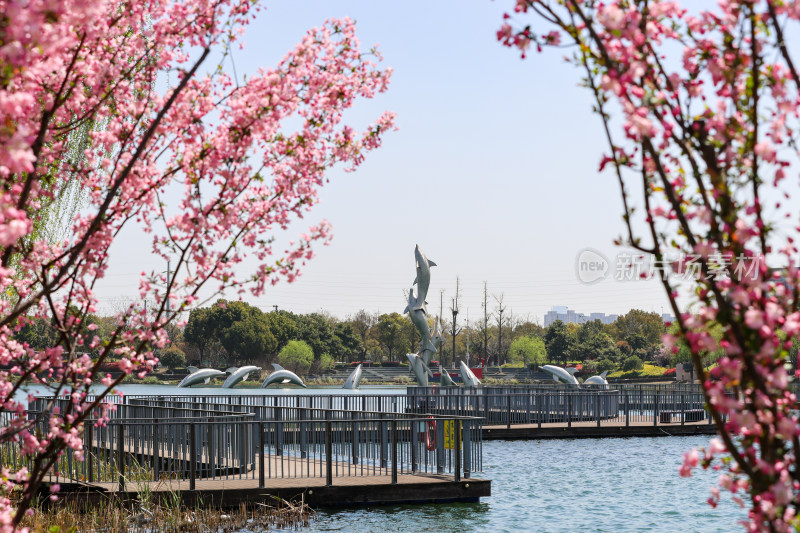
x=450, y=434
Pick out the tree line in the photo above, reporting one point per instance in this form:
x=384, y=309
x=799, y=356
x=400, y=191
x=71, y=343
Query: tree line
x=235, y=333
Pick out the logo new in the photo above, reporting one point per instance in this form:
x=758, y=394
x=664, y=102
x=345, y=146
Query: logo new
x=591, y=266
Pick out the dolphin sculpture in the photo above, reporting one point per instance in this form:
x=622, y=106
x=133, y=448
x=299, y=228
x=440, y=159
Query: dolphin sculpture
x=445, y=380
x=353, y=379
x=597, y=380
x=281, y=375
x=469, y=379
x=423, y=279
x=198, y=376
x=421, y=370
x=420, y=320
x=437, y=339
x=239, y=374
x=561, y=375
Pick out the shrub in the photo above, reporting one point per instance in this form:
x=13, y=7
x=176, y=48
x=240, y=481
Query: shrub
x=172, y=358
x=632, y=363
x=606, y=365
x=296, y=356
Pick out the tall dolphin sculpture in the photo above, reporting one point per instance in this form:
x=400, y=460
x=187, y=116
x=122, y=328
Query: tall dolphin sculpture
x=561, y=375
x=281, y=375
x=437, y=339
x=423, y=279
x=445, y=380
x=198, y=376
x=353, y=379
x=239, y=374
x=469, y=379
x=421, y=370
x=597, y=380
x=420, y=320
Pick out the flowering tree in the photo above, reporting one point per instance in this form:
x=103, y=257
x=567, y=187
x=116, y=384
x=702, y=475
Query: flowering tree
x=709, y=102
x=213, y=145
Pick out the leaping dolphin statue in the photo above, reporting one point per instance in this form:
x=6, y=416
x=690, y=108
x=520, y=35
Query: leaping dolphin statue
x=437, y=339
x=239, y=374
x=597, y=380
x=197, y=376
x=353, y=379
x=469, y=379
x=423, y=279
x=281, y=375
x=421, y=370
x=561, y=375
x=420, y=320
x=445, y=380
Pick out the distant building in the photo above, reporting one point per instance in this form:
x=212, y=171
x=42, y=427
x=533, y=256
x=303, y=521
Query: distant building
x=568, y=316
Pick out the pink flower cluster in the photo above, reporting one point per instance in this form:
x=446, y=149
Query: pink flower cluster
x=710, y=101
x=86, y=78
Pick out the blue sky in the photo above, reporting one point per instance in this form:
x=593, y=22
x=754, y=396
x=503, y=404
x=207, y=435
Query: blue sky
x=493, y=172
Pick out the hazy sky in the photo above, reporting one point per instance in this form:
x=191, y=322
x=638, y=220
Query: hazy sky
x=493, y=172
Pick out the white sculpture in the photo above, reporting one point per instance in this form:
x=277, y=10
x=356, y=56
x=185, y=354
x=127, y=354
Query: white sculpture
x=445, y=380
x=469, y=379
x=281, y=376
x=198, y=376
x=353, y=379
x=561, y=375
x=238, y=374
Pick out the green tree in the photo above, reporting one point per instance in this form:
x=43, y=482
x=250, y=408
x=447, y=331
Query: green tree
x=527, y=350
x=199, y=333
x=558, y=342
x=362, y=322
x=636, y=323
x=592, y=343
x=316, y=330
x=390, y=334
x=296, y=356
x=349, y=345
x=172, y=358
x=283, y=326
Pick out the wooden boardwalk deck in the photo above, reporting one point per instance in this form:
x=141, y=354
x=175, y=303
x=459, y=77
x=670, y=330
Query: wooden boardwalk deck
x=590, y=429
x=299, y=479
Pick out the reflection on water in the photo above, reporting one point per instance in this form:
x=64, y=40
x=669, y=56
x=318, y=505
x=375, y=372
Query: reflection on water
x=603, y=485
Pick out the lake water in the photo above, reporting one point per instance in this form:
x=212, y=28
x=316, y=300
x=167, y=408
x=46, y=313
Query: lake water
x=603, y=485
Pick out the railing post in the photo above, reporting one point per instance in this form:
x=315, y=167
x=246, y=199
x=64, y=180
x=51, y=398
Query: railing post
x=88, y=453
x=328, y=450
x=508, y=411
x=569, y=410
x=414, y=441
x=384, y=441
x=457, y=465
x=192, y=456
x=156, y=460
x=121, y=455
x=301, y=414
x=354, y=438
x=627, y=411
x=467, y=438
x=394, y=451
x=278, y=429
x=683, y=411
x=262, y=456
x=440, y=458
x=597, y=406
x=655, y=408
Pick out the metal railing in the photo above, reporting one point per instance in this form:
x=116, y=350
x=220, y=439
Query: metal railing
x=214, y=441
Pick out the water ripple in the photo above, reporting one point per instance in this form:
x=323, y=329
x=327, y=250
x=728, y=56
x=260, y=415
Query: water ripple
x=601, y=485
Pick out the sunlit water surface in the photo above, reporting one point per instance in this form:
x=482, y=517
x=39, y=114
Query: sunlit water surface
x=606, y=485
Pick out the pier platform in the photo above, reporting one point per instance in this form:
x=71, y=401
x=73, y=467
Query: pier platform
x=579, y=430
